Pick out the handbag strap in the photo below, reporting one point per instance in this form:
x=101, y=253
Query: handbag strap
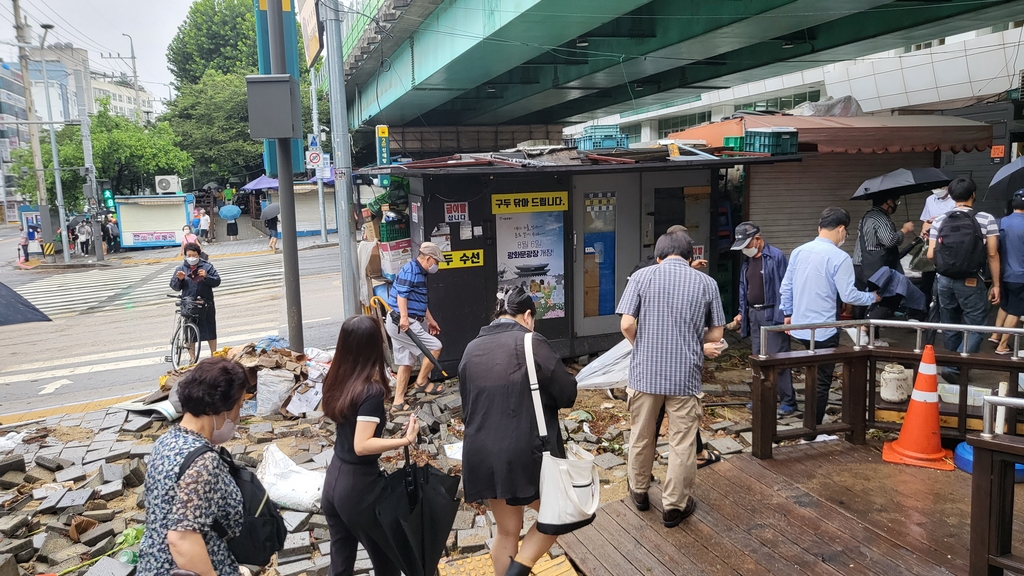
x=531, y=369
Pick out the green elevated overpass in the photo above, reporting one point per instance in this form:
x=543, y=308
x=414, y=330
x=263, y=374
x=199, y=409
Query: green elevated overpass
x=493, y=62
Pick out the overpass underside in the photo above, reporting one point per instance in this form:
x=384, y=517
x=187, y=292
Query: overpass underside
x=523, y=62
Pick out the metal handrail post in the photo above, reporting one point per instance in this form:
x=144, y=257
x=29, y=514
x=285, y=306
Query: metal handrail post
x=919, y=345
x=989, y=412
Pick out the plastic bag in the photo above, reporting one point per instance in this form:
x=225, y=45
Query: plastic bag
x=11, y=441
x=318, y=355
x=271, y=342
x=288, y=484
x=272, y=389
x=609, y=370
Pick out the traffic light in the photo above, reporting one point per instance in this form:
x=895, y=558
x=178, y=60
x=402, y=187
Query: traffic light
x=107, y=196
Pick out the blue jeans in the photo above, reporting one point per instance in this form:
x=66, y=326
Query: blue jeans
x=962, y=304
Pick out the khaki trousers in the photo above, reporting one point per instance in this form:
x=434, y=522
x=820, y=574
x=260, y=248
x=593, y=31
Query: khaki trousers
x=683, y=414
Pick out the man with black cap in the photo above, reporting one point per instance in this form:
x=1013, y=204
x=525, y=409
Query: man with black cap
x=761, y=276
x=878, y=246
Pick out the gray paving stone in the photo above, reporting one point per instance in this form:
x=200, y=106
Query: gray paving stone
x=96, y=456
x=104, y=546
x=114, y=419
x=72, y=474
x=51, y=464
x=9, y=525
x=75, y=498
x=97, y=534
x=49, y=504
x=472, y=540
x=722, y=425
x=295, y=568
x=73, y=552
x=13, y=462
x=53, y=544
x=324, y=458
x=463, y=520
x=39, y=540
x=608, y=460
x=296, y=521
x=111, y=472
x=135, y=473
x=39, y=474
x=107, y=566
x=261, y=428
x=100, y=515
x=9, y=566
x=137, y=424
x=140, y=450
x=317, y=521
x=295, y=545
x=13, y=547
x=726, y=445
x=12, y=480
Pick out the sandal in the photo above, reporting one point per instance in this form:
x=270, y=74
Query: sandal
x=403, y=408
x=1004, y=352
x=432, y=388
x=713, y=456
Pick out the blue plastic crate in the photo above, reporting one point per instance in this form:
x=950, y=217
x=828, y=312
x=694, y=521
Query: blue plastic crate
x=776, y=141
x=601, y=142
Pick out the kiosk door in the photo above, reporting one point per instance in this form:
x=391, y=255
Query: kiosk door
x=606, y=243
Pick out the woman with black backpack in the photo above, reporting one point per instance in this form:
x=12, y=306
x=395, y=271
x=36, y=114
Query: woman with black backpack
x=355, y=390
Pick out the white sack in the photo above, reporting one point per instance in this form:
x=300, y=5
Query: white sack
x=288, y=484
x=272, y=389
x=609, y=370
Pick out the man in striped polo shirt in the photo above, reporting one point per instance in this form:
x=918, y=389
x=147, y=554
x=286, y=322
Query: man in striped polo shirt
x=408, y=295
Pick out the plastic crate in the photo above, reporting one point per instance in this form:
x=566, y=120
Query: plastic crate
x=392, y=231
x=776, y=141
x=601, y=142
x=734, y=142
x=612, y=130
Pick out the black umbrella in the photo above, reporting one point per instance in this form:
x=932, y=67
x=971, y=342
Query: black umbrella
x=76, y=220
x=210, y=186
x=270, y=211
x=902, y=181
x=15, y=309
x=416, y=507
x=1008, y=180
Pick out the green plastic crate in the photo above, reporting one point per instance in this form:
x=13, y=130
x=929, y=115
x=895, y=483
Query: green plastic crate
x=776, y=141
x=734, y=142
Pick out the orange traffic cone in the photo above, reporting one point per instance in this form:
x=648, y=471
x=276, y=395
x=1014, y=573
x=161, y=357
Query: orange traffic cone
x=920, y=443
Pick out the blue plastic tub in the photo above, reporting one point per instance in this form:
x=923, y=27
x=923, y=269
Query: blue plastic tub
x=963, y=458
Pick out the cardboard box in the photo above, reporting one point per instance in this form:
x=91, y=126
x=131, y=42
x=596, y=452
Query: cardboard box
x=373, y=266
x=394, y=255
x=371, y=230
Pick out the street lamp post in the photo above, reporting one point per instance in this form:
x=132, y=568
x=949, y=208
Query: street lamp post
x=135, y=74
x=53, y=148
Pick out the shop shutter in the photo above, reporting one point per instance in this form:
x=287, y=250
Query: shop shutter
x=786, y=200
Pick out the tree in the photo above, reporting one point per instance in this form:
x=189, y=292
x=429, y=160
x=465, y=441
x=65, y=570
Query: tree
x=127, y=154
x=210, y=120
x=217, y=35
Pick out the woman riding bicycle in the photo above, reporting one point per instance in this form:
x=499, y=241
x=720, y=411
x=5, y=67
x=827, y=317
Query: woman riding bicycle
x=196, y=278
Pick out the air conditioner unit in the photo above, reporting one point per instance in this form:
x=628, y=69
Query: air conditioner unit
x=168, y=184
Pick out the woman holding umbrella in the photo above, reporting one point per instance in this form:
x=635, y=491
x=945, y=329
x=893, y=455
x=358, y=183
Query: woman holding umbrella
x=270, y=218
x=355, y=390
x=502, y=447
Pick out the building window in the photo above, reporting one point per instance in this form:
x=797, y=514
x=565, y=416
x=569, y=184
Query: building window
x=667, y=126
x=783, y=102
x=633, y=131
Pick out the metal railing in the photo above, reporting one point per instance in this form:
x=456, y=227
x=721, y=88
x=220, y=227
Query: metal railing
x=919, y=327
x=989, y=412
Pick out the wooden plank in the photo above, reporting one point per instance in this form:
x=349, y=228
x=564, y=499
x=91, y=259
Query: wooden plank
x=627, y=544
x=688, y=545
x=869, y=546
x=696, y=526
x=604, y=551
x=581, y=556
x=671, y=556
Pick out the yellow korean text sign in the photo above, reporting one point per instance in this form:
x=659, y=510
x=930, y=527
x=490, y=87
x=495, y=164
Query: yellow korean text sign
x=529, y=202
x=462, y=259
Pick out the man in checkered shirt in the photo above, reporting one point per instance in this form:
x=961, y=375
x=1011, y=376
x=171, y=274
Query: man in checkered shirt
x=672, y=314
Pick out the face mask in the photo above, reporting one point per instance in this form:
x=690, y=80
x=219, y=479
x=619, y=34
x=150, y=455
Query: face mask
x=749, y=252
x=433, y=269
x=192, y=260
x=940, y=192
x=224, y=433
x=843, y=241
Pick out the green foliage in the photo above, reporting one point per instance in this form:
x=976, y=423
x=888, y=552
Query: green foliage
x=217, y=35
x=210, y=120
x=127, y=154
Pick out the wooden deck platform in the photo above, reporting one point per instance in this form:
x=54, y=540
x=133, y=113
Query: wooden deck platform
x=817, y=509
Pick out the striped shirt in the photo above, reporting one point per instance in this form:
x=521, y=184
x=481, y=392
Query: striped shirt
x=879, y=233
x=411, y=284
x=987, y=222
x=673, y=305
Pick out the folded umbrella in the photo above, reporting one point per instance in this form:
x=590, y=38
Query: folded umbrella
x=270, y=211
x=15, y=309
x=419, y=343
x=415, y=507
x=900, y=182
x=1007, y=180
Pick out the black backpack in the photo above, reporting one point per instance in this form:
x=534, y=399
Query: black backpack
x=263, y=530
x=960, y=251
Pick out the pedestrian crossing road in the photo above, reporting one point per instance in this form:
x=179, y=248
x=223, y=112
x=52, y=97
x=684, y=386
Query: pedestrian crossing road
x=107, y=289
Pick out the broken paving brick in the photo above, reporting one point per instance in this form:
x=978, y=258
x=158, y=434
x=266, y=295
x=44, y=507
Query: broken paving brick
x=75, y=498
x=137, y=425
x=14, y=463
x=13, y=547
x=261, y=428
x=295, y=521
x=10, y=525
x=73, y=552
x=141, y=450
x=73, y=474
x=104, y=546
x=99, y=515
x=50, y=503
x=135, y=474
x=52, y=545
x=49, y=463
x=111, y=473
x=97, y=534
x=39, y=474
x=295, y=545
x=12, y=480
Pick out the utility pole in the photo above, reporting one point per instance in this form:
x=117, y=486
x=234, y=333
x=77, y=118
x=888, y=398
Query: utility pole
x=92, y=203
x=343, y=198
x=314, y=107
x=53, y=150
x=21, y=30
x=135, y=73
x=285, y=175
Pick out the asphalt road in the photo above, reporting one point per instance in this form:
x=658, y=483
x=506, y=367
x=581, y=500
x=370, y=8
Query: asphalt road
x=108, y=351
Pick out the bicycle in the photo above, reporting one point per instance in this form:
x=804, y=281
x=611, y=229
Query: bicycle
x=185, y=342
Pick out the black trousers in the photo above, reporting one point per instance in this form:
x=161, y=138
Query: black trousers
x=24, y=248
x=825, y=372
x=350, y=520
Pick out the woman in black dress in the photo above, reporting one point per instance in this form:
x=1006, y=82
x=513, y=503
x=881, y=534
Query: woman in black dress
x=355, y=389
x=272, y=227
x=502, y=447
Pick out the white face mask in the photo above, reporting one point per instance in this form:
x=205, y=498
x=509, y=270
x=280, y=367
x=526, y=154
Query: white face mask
x=192, y=260
x=940, y=192
x=749, y=252
x=225, y=432
x=433, y=268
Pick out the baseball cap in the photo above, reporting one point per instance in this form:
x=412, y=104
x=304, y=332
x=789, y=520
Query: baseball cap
x=432, y=250
x=745, y=232
x=1019, y=194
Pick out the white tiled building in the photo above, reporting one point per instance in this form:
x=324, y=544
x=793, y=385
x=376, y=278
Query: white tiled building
x=122, y=97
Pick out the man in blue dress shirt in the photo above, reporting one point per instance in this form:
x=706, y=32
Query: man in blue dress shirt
x=818, y=273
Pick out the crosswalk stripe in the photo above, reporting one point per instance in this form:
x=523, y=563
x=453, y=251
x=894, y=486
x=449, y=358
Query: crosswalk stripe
x=114, y=288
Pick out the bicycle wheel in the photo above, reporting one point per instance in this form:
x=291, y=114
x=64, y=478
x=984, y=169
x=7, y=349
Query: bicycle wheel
x=185, y=338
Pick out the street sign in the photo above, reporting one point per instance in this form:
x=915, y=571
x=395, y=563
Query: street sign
x=383, y=153
x=313, y=143
x=314, y=159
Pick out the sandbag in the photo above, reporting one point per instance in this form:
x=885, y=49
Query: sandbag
x=288, y=484
x=272, y=389
x=609, y=370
